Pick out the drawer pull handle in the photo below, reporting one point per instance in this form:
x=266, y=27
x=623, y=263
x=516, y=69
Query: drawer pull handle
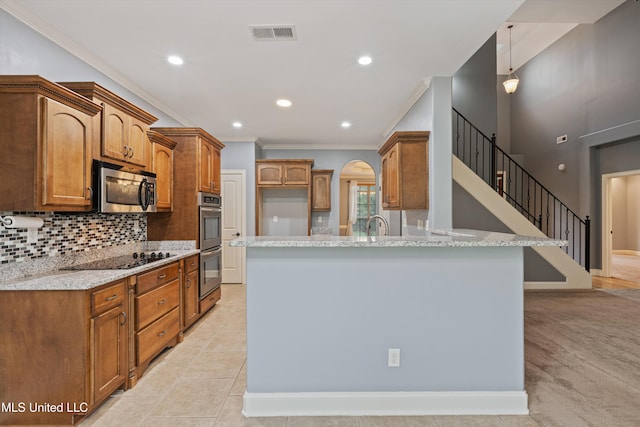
x=124, y=318
x=111, y=298
x=192, y=264
x=162, y=301
x=162, y=276
x=162, y=333
x=188, y=283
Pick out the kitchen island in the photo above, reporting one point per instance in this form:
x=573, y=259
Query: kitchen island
x=323, y=313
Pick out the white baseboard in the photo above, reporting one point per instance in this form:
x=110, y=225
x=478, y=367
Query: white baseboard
x=595, y=272
x=385, y=403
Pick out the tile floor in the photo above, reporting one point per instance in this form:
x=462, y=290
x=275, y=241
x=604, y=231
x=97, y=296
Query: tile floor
x=201, y=381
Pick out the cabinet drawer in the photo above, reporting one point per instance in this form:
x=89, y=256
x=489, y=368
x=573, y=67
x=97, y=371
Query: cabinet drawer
x=155, y=278
x=210, y=300
x=191, y=263
x=156, y=303
x=107, y=298
x=157, y=335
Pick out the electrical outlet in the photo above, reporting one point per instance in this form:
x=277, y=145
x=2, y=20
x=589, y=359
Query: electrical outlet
x=275, y=218
x=319, y=220
x=32, y=235
x=394, y=358
x=561, y=139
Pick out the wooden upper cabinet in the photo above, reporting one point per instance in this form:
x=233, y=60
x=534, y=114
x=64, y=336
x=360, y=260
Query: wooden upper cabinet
x=405, y=171
x=321, y=189
x=163, y=168
x=124, y=127
x=210, y=173
x=283, y=172
x=46, y=135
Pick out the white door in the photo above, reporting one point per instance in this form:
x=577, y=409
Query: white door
x=233, y=225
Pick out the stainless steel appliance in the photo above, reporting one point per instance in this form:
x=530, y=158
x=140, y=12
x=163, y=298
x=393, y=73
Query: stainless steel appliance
x=210, y=270
x=210, y=241
x=122, y=262
x=118, y=191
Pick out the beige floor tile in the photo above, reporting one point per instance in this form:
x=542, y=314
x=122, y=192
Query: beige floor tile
x=519, y=421
x=210, y=364
x=231, y=416
x=396, y=422
x=104, y=408
x=159, y=377
x=467, y=421
x=193, y=397
x=240, y=384
x=323, y=422
x=177, y=422
x=126, y=411
x=228, y=341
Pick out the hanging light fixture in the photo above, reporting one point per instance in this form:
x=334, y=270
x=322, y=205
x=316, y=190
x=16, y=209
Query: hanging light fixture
x=511, y=84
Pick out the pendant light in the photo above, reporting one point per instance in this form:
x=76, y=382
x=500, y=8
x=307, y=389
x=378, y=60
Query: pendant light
x=511, y=84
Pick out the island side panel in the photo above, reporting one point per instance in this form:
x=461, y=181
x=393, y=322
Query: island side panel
x=323, y=319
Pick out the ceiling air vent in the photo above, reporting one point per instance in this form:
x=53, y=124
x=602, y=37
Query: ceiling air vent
x=273, y=32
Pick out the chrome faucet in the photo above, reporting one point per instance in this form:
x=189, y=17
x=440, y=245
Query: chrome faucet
x=384, y=221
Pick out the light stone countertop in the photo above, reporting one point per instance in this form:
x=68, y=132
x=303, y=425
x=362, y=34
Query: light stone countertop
x=432, y=238
x=70, y=280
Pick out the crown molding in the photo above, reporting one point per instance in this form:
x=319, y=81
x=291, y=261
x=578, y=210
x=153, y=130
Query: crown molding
x=317, y=147
x=14, y=8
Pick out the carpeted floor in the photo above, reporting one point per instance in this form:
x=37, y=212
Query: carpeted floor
x=582, y=357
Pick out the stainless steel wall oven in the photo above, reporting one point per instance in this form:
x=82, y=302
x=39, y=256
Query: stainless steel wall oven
x=210, y=240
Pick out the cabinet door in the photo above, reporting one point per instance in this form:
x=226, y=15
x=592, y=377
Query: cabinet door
x=109, y=349
x=163, y=167
x=191, y=298
x=206, y=166
x=115, y=133
x=216, y=172
x=139, y=147
x=390, y=181
x=269, y=174
x=66, y=155
x=321, y=192
x=296, y=175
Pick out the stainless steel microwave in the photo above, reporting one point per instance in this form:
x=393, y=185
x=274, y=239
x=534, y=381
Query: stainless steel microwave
x=119, y=191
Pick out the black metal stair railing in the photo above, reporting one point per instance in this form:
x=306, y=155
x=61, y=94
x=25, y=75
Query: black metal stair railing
x=525, y=193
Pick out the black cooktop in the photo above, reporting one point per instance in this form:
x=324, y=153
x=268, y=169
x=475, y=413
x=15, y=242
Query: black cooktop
x=122, y=262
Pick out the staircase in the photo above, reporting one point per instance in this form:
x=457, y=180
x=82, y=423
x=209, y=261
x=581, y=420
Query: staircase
x=520, y=202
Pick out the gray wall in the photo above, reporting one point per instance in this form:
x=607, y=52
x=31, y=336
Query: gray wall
x=241, y=155
x=474, y=89
x=586, y=82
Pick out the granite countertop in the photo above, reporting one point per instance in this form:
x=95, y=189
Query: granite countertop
x=55, y=279
x=432, y=238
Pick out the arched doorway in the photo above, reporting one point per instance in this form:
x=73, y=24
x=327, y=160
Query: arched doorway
x=358, y=197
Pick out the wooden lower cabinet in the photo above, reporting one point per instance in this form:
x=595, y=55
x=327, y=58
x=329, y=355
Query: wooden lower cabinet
x=210, y=300
x=61, y=347
x=190, y=291
x=77, y=347
x=157, y=314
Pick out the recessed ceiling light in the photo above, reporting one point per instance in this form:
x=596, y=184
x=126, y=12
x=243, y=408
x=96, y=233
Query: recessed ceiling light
x=237, y=124
x=175, y=60
x=364, y=60
x=345, y=124
x=283, y=103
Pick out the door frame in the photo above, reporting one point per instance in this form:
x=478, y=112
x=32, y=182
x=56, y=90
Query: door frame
x=607, y=218
x=243, y=213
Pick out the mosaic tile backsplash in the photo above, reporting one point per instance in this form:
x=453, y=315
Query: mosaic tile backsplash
x=64, y=234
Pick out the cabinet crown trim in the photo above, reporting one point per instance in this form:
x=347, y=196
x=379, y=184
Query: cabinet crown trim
x=92, y=90
x=41, y=86
x=158, y=138
x=404, y=136
x=185, y=131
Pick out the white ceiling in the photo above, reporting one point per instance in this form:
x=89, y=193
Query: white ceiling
x=227, y=76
